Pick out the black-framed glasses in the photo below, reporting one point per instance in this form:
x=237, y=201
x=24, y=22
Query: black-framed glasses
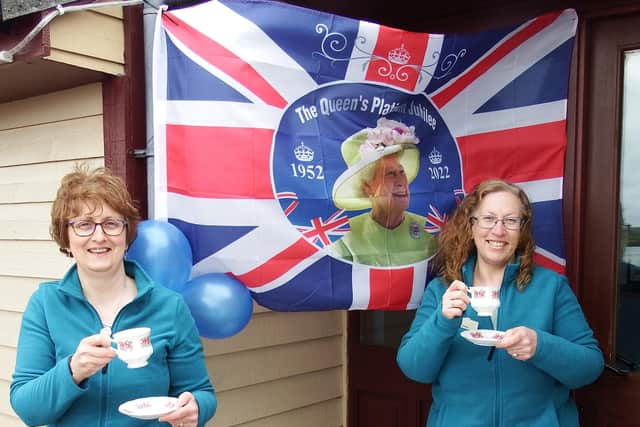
x=490, y=221
x=110, y=227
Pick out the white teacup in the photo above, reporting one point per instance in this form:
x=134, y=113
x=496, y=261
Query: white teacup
x=485, y=300
x=133, y=346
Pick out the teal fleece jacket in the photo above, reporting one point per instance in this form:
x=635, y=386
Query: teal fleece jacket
x=58, y=316
x=471, y=390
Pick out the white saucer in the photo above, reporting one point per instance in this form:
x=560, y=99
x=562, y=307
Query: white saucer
x=486, y=337
x=149, y=408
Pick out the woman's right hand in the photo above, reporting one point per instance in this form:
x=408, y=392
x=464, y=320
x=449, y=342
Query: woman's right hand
x=93, y=353
x=455, y=300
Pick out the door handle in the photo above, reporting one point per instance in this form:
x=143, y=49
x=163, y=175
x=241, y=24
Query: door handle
x=631, y=364
x=616, y=370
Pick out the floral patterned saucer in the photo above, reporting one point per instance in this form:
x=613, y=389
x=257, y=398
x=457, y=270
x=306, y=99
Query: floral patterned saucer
x=485, y=337
x=149, y=408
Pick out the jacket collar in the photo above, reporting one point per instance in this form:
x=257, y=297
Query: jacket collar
x=510, y=271
x=70, y=283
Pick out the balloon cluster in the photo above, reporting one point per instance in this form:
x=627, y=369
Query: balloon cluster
x=220, y=304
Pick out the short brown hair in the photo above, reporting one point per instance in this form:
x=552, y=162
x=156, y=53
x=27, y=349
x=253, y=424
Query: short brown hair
x=455, y=242
x=92, y=187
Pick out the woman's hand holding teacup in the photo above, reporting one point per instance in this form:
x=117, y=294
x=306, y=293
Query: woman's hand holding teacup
x=92, y=354
x=520, y=342
x=455, y=300
x=187, y=413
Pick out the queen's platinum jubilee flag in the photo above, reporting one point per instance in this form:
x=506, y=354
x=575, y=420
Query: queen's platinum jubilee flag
x=272, y=120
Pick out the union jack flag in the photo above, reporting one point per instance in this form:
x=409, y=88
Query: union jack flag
x=253, y=100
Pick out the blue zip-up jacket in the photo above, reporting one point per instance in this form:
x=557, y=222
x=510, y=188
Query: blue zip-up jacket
x=469, y=390
x=58, y=316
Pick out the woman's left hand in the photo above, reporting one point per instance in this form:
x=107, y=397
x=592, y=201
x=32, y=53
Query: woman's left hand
x=520, y=342
x=187, y=413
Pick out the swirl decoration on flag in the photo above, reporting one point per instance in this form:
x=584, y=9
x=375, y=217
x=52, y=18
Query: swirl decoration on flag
x=335, y=43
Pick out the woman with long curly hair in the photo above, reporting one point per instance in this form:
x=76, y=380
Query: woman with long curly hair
x=516, y=366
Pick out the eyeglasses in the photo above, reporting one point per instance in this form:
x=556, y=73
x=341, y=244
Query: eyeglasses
x=110, y=227
x=490, y=221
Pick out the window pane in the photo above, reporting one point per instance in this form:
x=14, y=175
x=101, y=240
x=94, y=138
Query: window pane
x=384, y=328
x=628, y=339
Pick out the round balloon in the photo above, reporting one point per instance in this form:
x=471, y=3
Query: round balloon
x=163, y=251
x=221, y=305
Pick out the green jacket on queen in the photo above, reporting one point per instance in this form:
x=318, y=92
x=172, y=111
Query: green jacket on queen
x=370, y=243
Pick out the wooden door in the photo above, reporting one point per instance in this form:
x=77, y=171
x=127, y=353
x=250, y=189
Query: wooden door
x=608, y=245
x=379, y=393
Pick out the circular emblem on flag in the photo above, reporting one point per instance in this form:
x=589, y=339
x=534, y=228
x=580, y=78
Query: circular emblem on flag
x=359, y=165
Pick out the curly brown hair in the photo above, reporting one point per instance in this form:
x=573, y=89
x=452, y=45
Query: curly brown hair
x=93, y=188
x=455, y=241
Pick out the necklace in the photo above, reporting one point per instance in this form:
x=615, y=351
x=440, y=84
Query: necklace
x=107, y=318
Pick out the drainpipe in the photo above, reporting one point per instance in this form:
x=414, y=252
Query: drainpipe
x=149, y=16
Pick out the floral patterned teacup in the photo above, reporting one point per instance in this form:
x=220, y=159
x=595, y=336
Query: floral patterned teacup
x=485, y=300
x=134, y=346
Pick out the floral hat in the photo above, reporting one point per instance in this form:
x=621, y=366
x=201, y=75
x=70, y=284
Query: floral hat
x=362, y=149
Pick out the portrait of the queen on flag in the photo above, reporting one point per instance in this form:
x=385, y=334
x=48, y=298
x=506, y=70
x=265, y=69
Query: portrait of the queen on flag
x=316, y=157
x=382, y=162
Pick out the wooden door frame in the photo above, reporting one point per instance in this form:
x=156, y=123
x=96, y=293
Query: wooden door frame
x=594, y=181
x=124, y=113
x=595, y=186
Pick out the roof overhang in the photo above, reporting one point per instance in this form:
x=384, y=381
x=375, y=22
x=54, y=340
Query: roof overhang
x=13, y=8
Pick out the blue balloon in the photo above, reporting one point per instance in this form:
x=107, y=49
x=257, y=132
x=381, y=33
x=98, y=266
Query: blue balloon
x=163, y=251
x=221, y=305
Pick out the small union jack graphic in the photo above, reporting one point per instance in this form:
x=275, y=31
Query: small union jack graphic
x=321, y=230
x=435, y=220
